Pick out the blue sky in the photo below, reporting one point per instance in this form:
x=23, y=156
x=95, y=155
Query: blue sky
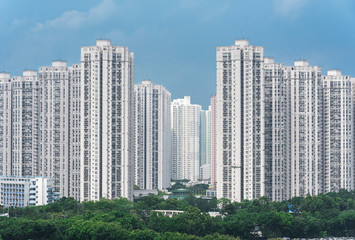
x=175, y=41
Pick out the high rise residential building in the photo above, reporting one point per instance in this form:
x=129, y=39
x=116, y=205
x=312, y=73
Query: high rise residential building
x=205, y=132
x=203, y=138
x=107, y=122
x=213, y=142
x=338, y=132
x=306, y=129
x=208, y=137
x=205, y=141
x=240, y=121
x=23, y=126
x=5, y=124
x=185, y=124
x=75, y=169
x=271, y=130
x=353, y=126
x=352, y=80
x=152, y=136
x=54, y=115
x=276, y=102
x=74, y=124
x=270, y=134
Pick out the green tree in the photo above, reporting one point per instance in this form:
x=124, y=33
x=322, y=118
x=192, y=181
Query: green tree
x=242, y=224
x=275, y=224
x=192, y=221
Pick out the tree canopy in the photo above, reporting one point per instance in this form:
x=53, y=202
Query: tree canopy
x=331, y=214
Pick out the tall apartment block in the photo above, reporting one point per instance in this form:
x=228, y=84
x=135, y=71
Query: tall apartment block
x=54, y=138
x=282, y=131
x=152, y=136
x=338, y=132
x=208, y=136
x=213, y=141
x=205, y=132
x=276, y=118
x=21, y=118
x=240, y=122
x=107, y=122
x=205, y=145
x=75, y=169
x=203, y=138
x=306, y=126
x=5, y=124
x=185, y=124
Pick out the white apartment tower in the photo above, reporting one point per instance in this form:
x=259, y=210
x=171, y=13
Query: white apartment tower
x=205, y=143
x=152, y=136
x=23, y=126
x=205, y=132
x=107, y=122
x=185, y=124
x=277, y=167
x=75, y=170
x=208, y=136
x=5, y=124
x=54, y=86
x=240, y=122
x=338, y=129
x=306, y=126
x=213, y=141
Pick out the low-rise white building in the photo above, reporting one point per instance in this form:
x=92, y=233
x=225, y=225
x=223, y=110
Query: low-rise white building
x=26, y=191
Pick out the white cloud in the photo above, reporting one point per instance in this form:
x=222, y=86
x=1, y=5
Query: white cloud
x=75, y=19
x=17, y=22
x=103, y=11
x=289, y=7
x=218, y=11
x=203, y=11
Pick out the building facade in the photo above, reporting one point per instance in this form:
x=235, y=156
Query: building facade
x=75, y=169
x=185, y=124
x=107, y=122
x=213, y=142
x=26, y=191
x=276, y=102
x=152, y=136
x=306, y=126
x=5, y=124
x=240, y=122
x=205, y=173
x=282, y=131
x=54, y=118
x=21, y=125
x=205, y=137
x=338, y=132
x=205, y=142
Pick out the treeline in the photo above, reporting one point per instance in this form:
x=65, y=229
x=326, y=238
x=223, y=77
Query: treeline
x=331, y=214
